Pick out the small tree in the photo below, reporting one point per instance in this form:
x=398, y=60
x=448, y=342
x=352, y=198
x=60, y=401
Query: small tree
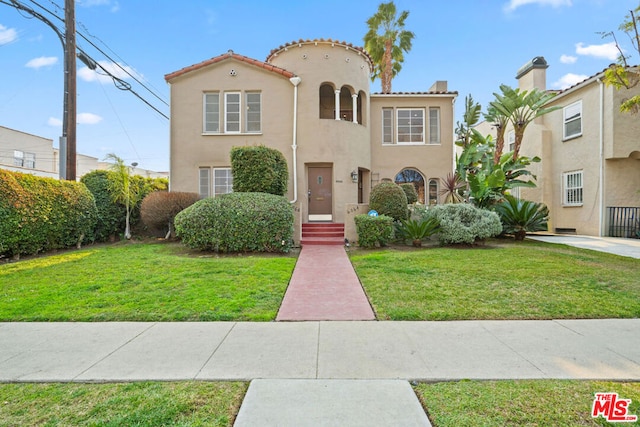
x=387, y=198
x=259, y=169
x=121, y=189
x=159, y=209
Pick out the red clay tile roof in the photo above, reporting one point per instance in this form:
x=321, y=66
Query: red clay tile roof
x=275, y=52
x=230, y=54
x=435, y=92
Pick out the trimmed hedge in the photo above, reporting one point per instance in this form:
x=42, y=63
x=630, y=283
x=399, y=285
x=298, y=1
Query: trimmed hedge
x=238, y=222
x=39, y=214
x=159, y=209
x=410, y=191
x=388, y=198
x=259, y=169
x=111, y=215
x=464, y=223
x=373, y=230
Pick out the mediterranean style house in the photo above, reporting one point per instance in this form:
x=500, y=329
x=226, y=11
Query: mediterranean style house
x=310, y=100
x=589, y=176
x=35, y=155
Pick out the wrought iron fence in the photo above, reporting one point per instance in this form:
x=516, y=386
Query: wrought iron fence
x=623, y=221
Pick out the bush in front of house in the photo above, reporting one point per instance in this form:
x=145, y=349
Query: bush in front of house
x=159, y=209
x=259, y=169
x=111, y=215
x=410, y=191
x=374, y=230
x=238, y=222
x=39, y=214
x=388, y=198
x=464, y=223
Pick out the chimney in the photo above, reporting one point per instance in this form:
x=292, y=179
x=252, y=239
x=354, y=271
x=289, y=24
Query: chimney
x=533, y=74
x=439, y=86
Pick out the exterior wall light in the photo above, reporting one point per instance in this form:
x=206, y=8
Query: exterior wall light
x=354, y=176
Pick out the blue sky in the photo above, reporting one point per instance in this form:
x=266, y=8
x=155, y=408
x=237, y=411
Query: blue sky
x=475, y=45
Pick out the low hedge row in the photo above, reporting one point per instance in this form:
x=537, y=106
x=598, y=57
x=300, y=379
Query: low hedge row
x=374, y=230
x=39, y=214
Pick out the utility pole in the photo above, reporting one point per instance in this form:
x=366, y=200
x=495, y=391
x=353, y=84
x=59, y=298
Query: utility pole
x=69, y=118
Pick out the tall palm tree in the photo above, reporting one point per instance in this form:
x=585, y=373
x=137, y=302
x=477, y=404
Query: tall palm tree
x=500, y=122
x=386, y=41
x=521, y=107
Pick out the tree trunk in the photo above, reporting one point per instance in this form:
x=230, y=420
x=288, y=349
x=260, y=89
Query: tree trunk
x=387, y=71
x=519, y=130
x=499, y=147
x=127, y=228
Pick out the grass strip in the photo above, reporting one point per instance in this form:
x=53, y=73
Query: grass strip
x=503, y=280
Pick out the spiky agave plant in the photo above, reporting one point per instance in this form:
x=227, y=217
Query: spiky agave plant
x=522, y=216
x=416, y=230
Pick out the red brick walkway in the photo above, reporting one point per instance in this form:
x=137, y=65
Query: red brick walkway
x=324, y=286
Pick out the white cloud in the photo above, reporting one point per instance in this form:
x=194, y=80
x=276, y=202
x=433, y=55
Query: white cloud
x=7, y=35
x=88, y=119
x=54, y=122
x=115, y=69
x=568, y=59
x=569, y=80
x=43, y=61
x=603, y=51
x=514, y=4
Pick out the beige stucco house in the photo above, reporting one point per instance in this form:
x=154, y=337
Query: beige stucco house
x=311, y=100
x=589, y=176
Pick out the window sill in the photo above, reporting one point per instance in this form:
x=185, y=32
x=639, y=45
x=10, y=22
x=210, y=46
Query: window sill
x=405, y=144
x=569, y=138
x=577, y=205
x=230, y=134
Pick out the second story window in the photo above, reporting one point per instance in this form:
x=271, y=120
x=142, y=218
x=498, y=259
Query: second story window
x=254, y=112
x=223, y=113
x=434, y=126
x=572, y=116
x=211, y=112
x=387, y=125
x=410, y=126
x=232, y=112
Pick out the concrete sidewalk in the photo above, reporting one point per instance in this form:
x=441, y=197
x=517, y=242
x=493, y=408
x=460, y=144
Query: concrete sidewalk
x=431, y=351
x=613, y=245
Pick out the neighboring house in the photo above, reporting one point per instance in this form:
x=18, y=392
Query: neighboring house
x=26, y=153
x=589, y=176
x=310, y=100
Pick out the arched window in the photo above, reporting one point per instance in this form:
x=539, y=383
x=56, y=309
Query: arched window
x=327, y=101
x=410, y=175
x=346, y=105
x=361, y=104
x=433, y=192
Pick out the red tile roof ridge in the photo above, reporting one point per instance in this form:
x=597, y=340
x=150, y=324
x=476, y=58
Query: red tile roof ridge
x=228, y=55
x=285, y=46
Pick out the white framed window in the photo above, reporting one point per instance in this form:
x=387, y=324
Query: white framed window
x=30, y=160
x=232, y=116
x=204, y=185
x=254, y=112
x=511, y=140
x=18, y=158
x=211, y=113
x=572, y=188
x=222, y=181
x=572, y=116
x=434, y=125
x=433, y=192
x=387, y=125
x=410, y=125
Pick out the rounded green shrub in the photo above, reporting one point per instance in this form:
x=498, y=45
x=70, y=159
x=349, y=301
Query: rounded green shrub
x=259, y=169
x=238, y=222
x=464, y=223
x=410, y=191
x=388, y=198
x=373, y=230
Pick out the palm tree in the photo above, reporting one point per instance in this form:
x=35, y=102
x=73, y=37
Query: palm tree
x=500, y=122
x=386, y=41
x=121, y=189
x=521, y=108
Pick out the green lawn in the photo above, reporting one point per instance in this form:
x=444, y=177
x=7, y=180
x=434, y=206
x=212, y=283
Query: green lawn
x=541, y=403
x=503, y=280
x=143, y=282
x=136, y=404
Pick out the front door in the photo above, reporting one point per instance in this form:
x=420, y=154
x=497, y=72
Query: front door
x=320, y=204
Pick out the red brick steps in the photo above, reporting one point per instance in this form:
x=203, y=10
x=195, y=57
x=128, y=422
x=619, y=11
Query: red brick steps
x=322, y=233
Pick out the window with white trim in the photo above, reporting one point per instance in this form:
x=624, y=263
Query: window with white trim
x=434, y=125
x=222, y=181
x=232, y=116
x=511, y=140
x=211, y=113
x=387, y=125
x=18, y=158
x=572, y=188
x=433, y=192
x=254, y=112
x=572, y=116
x=204, y=186
x=410, y=125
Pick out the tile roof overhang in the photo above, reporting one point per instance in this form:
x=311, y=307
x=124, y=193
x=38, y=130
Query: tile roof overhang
x=226, y=56
x=409, y=94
